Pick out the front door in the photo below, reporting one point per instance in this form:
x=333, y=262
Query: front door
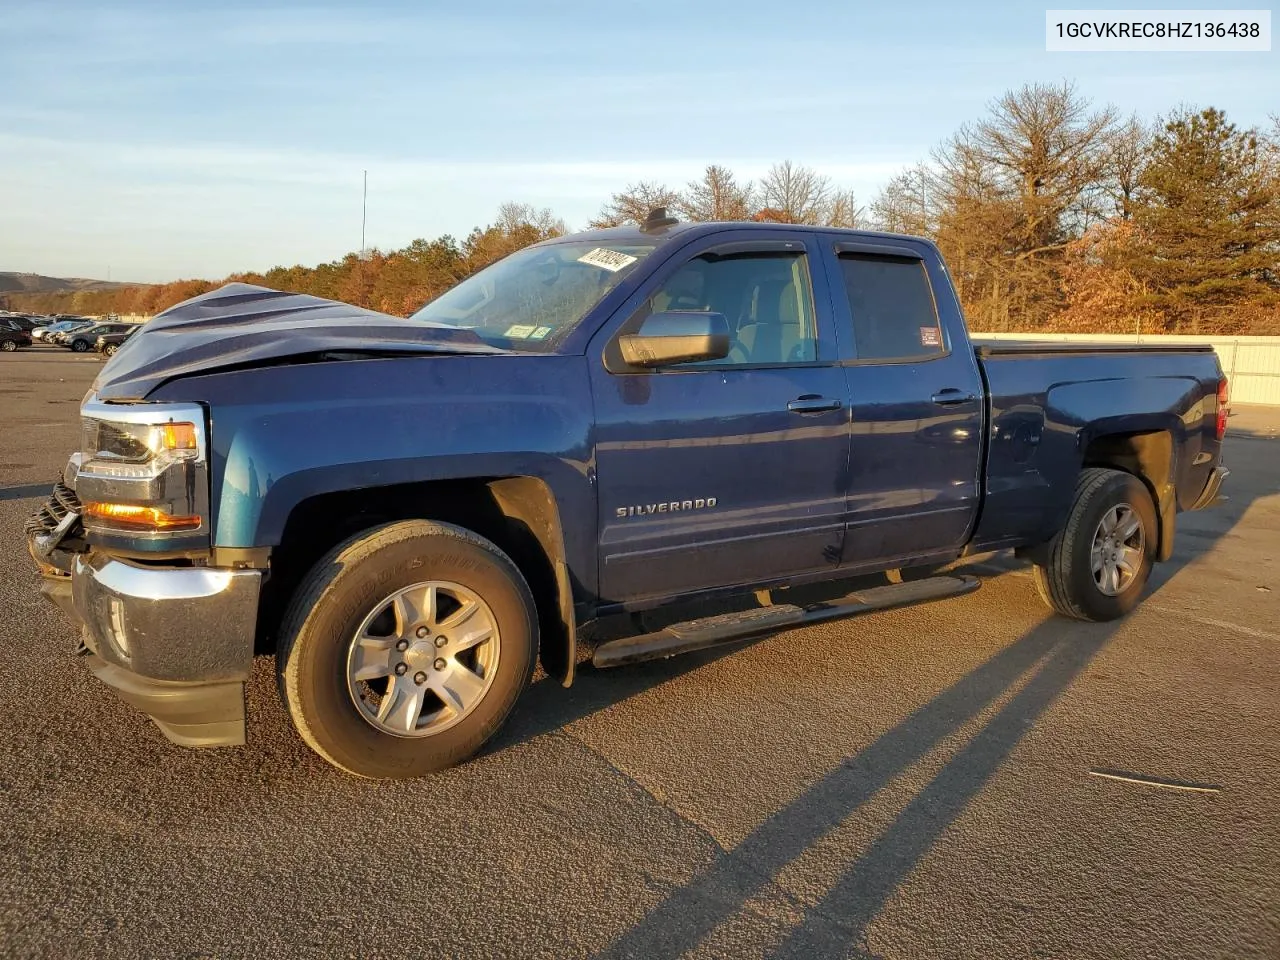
x=731, y=471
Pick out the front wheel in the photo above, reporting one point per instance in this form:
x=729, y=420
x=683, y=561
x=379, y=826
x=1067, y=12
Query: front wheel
x=405, y=648
x=1098, y=564
x=79, y=346
x=110, y=349
x=8, y=346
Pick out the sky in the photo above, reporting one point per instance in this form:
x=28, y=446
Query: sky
x=150, y=142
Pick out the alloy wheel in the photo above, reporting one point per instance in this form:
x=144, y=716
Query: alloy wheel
x=423, y=659
x=1118, y=550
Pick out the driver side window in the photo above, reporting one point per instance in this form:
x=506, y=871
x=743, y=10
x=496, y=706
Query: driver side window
x=766, y=298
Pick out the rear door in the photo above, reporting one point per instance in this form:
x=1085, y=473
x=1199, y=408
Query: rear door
x=733, y=471
x=916, y=404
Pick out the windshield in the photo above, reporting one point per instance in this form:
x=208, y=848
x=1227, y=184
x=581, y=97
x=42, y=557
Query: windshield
x=532, y=299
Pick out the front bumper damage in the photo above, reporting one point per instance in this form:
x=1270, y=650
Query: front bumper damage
x=175, y=642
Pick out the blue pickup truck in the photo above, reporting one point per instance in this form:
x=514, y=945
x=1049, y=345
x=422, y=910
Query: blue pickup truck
x=412, y=514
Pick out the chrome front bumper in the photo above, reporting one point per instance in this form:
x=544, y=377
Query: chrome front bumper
x=174, y=642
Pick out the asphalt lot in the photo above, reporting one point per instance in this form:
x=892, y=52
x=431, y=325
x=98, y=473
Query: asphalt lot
x=910, y=784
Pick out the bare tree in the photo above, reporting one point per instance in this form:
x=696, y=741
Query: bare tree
x=633, y=204
x=1126, y=147
x=1048, y=148
x=971, y=218
x=1012, y=191
x=793, y=193
x=902, y=205
x=716, y=196
x=514, y=218
x=1271, y=142
x=843, y=210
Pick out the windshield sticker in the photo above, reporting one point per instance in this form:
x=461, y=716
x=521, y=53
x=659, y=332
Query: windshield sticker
x=930, y=337
x=540, y=333
x=610, y=260
x=521, y=331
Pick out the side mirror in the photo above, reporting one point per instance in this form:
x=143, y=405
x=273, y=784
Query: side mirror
x=676, y=336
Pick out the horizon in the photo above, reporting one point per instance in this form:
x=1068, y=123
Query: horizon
x=150, y=144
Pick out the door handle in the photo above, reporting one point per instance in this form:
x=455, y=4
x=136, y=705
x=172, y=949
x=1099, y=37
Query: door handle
x=951, y=396
x=811, y=403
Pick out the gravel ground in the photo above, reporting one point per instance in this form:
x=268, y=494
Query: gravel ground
x=904, y=785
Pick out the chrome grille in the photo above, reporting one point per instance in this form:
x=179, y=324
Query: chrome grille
x=62, y=500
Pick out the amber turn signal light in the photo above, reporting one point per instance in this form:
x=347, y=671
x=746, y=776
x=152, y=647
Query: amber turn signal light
x=135, y=517
x=179, y=436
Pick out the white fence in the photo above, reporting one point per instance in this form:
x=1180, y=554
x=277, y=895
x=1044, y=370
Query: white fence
x=1252, y=364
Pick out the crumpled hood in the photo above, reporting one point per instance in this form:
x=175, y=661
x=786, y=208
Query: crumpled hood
x=241, y=324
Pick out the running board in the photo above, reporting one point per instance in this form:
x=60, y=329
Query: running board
x=710, y=631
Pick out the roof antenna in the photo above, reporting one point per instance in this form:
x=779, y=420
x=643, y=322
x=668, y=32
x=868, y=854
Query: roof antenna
x=657, y=219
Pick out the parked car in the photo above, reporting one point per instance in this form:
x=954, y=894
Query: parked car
x=85, y=338
x=62, y=337
x=45, y=332
x=109, y=343
x=12, y=337
x=412, y=512
x=57, y=332
x=25, y=321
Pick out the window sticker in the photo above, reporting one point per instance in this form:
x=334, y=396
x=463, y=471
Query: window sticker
x=605, y=259
x=520, y=331
x=540, y=333
x=930, y=337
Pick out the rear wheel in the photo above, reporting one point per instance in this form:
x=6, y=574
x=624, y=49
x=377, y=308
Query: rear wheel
x=79, y=346
x=110, y=349
x=405, y=649
x=1098, y=564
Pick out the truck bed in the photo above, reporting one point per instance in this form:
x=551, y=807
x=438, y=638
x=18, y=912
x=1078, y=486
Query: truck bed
x=1048, y=401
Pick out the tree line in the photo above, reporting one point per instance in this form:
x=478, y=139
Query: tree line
x=1053, y=215
x=396, y=282
x=1056, y=215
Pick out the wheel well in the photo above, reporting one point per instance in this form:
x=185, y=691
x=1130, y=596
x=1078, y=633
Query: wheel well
x=1149, y=457
x=518, y=514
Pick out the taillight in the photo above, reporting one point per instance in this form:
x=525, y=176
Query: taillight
x=1224, y=406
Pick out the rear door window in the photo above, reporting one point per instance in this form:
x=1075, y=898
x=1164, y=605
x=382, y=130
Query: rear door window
x=892, y=307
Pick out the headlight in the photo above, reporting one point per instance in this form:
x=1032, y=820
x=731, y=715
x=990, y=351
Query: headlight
x=143, y=469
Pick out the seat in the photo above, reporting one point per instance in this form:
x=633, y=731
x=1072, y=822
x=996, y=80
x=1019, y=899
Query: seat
x=761, y=336
x=776, y=332
x=797, y=342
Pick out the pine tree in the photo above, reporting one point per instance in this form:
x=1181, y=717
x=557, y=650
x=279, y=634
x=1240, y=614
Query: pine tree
x=1207, y=218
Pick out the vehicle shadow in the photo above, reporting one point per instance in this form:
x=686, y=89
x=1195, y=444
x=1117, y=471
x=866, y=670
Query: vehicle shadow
x=1039, y=666
x=26, y=491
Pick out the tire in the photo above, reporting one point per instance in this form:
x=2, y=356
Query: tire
x=8, y=346
x=79, y=346
x=341, y=596
x=110, y=349
x=1068, y=581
